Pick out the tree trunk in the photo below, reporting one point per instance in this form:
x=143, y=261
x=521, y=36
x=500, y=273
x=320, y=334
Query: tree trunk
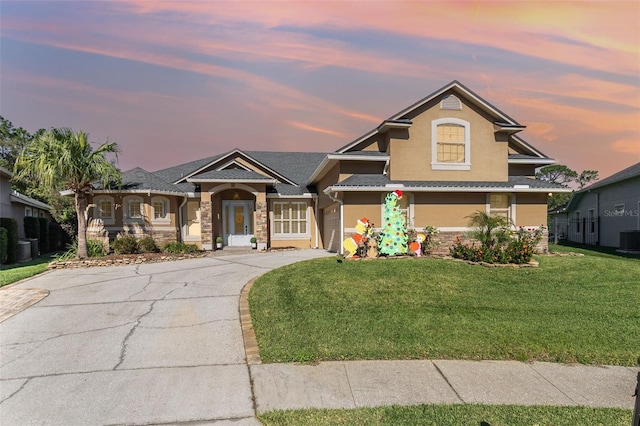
x=81, y=208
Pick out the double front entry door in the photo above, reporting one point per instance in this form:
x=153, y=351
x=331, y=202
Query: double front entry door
x=237, y=222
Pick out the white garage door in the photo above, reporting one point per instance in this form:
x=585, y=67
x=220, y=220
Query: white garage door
x=331, y=228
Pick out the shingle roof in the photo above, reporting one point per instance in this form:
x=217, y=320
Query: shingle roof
x=287, y=190
x=140, y=179
x=381, y=181
x=296, y=166
x=230, y=174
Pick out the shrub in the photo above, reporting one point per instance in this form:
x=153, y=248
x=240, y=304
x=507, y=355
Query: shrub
x=3, y=245
x=125, y=244
x=43, y=239
x=11, y=225
x=147, y=245
x=31, y=227
x=55, y=235
x=519, y=248
x=178, y=247
x=95, y=248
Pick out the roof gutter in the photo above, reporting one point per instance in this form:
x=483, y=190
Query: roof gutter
x=516, y=188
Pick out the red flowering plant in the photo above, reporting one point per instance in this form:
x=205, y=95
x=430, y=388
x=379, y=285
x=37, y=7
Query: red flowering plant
x=497, y=243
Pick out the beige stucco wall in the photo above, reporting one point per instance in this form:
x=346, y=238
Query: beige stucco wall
x=446, y=209
x=331, y=177
x=411, y=158
x=531, y=209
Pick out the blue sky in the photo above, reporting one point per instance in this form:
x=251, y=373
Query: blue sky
x=175, y=81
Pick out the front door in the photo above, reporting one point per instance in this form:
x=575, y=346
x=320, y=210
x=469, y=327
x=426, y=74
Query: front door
x=237, y=222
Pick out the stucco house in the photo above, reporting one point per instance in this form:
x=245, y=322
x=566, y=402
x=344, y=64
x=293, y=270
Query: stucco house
x=600, y=213
x=451, y=153
x=16, y=205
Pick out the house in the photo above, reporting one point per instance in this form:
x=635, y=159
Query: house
x=451, y=153
x=16, y=205
x=600, y=213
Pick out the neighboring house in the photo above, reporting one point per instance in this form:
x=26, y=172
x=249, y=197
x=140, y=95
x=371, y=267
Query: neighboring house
x=452, y=153
x=599, y=213
x=16, y=205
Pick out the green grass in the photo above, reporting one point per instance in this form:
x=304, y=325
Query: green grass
x=19, y=271
x=570, y=309
x=450, y=415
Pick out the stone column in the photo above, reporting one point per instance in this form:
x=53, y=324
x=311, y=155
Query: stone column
x=206, y=225
x=261, y=225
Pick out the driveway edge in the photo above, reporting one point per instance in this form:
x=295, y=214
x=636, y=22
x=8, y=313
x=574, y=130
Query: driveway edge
x=252, y=353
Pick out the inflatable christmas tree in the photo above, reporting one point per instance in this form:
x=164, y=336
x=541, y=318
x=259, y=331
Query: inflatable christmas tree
x=393, y=236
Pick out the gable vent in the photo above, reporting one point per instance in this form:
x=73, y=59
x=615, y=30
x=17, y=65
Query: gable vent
x=451, y=102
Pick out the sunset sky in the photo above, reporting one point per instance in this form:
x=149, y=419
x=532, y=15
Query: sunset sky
x=172, y=82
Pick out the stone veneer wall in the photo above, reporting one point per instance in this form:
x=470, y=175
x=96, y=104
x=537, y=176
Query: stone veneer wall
x=261, y=231
x=206, y=225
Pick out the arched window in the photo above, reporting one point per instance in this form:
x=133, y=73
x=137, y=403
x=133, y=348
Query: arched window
x=160, y=210
x=450, y=144
x=104, y=209
x=133, y=208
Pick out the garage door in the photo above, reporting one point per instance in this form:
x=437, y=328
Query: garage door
x=331, y=228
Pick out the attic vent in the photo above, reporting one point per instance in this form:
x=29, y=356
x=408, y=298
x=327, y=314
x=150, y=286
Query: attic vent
x=451, y=102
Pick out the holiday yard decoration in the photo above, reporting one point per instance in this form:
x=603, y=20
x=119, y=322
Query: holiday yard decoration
x=393, y=236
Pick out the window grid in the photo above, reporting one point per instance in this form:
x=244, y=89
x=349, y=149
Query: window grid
x=135, y=209
x=158, y=210
x=450, y=143
x=499, y=205
x=105, y=209
x=289, y=218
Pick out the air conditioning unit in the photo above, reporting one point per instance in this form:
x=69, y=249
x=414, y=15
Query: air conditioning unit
x=630, y=241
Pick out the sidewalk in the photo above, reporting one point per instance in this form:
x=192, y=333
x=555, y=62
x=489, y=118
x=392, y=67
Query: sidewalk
x=353, y=384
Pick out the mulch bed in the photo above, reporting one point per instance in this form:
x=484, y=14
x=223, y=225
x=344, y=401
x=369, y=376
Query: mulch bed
x=124, y=259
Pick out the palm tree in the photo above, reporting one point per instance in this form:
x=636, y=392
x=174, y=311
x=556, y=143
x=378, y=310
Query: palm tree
x=60, y=155
x=489, y=230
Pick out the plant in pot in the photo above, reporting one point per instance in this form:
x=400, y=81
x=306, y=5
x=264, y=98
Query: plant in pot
x=254, y=242
x=218, y=242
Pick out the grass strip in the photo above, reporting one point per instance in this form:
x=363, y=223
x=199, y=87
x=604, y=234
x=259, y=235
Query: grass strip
x=452, y=415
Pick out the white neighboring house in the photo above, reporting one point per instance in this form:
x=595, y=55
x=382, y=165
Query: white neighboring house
x=600, y=213
x=16, y=205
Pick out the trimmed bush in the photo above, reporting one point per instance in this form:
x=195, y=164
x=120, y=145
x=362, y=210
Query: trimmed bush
x=3, y=245
x=125, y=244
x=147, y=245
x=43, y=239
x=31, y=227
x=11, y=225
x=175, y=247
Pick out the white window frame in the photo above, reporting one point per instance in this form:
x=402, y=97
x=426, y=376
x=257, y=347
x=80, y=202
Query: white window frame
x=435, y=165
x=97, y=211
x=166, y=219
x=511, y=210
x=591, y=219
x=290, y=235
x=28, y=212
x=127, y=208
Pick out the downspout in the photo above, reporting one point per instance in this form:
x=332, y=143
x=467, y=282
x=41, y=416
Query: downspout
x=315, y=198
x=339, y=201
x=180, y=218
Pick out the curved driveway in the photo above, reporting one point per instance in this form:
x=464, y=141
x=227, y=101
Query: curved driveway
x=145, y=344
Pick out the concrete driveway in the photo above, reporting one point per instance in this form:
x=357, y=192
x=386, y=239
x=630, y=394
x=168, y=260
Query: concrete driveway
x=146, y=344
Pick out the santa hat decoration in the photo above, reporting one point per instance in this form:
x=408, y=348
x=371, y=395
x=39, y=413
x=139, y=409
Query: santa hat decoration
x=363, y=221
x=398, y=193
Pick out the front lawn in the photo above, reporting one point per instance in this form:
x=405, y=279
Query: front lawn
x=570, y=309
x=19, y=271
x=453, y=415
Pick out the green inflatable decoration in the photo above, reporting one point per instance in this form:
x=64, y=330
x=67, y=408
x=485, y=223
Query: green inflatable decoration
x=393, y=237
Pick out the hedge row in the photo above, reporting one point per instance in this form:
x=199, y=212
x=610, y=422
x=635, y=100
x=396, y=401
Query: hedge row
x=11, y=225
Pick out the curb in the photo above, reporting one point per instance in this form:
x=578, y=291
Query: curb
x=252, y=353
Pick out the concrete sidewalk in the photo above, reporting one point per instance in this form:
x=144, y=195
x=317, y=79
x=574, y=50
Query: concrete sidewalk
x=353, y=384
